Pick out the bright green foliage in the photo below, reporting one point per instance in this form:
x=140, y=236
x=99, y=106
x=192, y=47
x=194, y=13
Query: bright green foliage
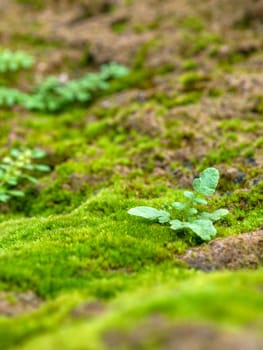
x=53, y=94
x=192, y=80
x=14, y=61
x=17, y=167
x=10, y=97
x=191, y=218
x=202, y=228
x=207, y=182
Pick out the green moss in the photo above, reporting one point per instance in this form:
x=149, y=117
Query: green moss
x=15, y=331
x=245, y=210
x=217, y=299
x=206, y=41
x=192, y=80
x=69, y=252
x=195, y=24
x=190, y=65
x=199, y=43
x=259, y=143
x=119, y=26
x=144, y=27
x=178, y=99
x=234, y=124
x=93, y=130
x=141, y=77
x=140, y=57
x=225, y=152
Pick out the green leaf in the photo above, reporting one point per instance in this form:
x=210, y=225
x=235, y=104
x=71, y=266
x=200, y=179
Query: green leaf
x=12, y=181
x=150, y=213
x=4, y=197
x=200, y=201
x=201, y=227
x=29, y=167
x=215, y=216
x=207, y=182
x=164, y=218
x=82, y=96
x=42, y=167
x=15, y=153
x=179, y=206
x=191, y=211
x=7, y=160
x=30, y=178
x=177, y=225
x=38, y=153
x=189, y=194
x=16, y=193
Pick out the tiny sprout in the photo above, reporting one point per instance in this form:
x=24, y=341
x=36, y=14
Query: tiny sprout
x=190, y=216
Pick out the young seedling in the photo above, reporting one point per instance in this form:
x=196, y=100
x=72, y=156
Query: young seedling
x=17, y=167
x=190, y=216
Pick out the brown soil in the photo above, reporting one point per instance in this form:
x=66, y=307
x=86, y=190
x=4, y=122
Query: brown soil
x=159, y=333
x=93, y=26
x=235, y=252
x=17, y=303
x=88, y=310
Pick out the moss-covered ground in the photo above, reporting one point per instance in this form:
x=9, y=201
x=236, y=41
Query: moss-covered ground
x=93, y=276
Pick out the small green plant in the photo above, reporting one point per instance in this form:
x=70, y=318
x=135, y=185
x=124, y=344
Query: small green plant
x=52, y=94
x=189, y=214
x=10, y=97
x=15, y=168
x=14, y=61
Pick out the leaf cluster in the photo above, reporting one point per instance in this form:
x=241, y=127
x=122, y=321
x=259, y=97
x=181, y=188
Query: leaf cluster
x=53, y=94
x=189, y=214
x=17, y=167
x=13, y=61
x=11, y=97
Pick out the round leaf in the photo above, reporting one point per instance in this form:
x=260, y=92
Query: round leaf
x=178, y=205
x=202, y=228
x=189, y=194
x=207, y=182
